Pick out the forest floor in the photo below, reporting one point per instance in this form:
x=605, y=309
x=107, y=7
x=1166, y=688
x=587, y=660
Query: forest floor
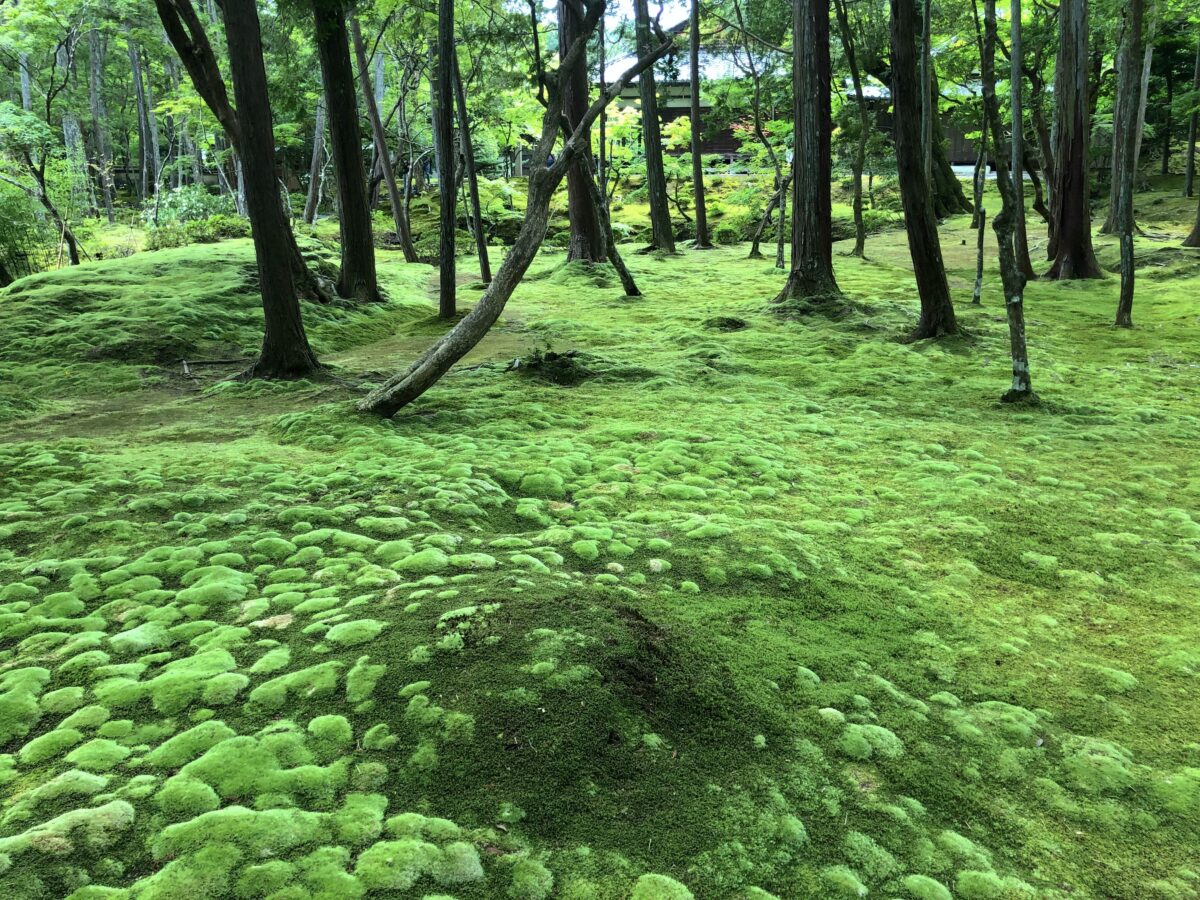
x=764, y=607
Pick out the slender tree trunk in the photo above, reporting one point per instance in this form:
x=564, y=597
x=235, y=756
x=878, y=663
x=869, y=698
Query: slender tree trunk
x=811, y=278
x=780, y=192
x=1144, y=92
x=403, y=235
x=1189, y=172
x=980, y=218
x=1021, y=239
x=139, y=92
x=313, y=201
x=357, y=279
x=661, y=231
x=937, y=312
x=444, y=130
x=1127, y=87
x=285, y=351
x=782, y=231
x=26, y=82
x=702, y=241
x=1074, y=256
x=1168, y=125
x=100, y=120
x=614, y=256
x=587, y=242
x=468, y=155
x=864, y=125
x=1005, y=224
x=601, y=64
x=156, y=162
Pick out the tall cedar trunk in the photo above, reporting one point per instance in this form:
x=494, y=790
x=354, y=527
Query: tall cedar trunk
x=444, y=131
x=357, y=278
x=601, y=64
x=1168, y=125
x=781, y=229
x=1121, y=124
x=100, y=121
x=587, y=242
x=614, y=256
x=313, y=201
x=662, y=235
x=702, y=241
x=1016, y=59
x=929, y=103
x=139, y=93
x=864, y=125
x=285, y=350
x=937, y=312
x=1074, y=256
x=1005, y=224
x=468, y=155
x=380, y=138
x=1189, y=172
x=949, y=199
x=1127, y=88
x=811, y=277
x=26, y=82
x=544, y=178
x=156, y=161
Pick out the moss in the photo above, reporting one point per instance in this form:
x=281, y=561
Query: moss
x=926, y=888
x=395, y=865
x=97, y=755
x=359, y=631
x=659, y=887
x=48, y=746
x=183, y=798
x=530, y=880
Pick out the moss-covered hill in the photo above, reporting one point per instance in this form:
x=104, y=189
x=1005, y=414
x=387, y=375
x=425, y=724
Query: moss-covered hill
x=758, y=607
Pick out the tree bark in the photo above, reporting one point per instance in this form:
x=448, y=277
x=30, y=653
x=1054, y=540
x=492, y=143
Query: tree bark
x=357, y=279
x=100, y=120
x=1189, y=172
x=1005, y=224
x=285, y=351
x=864, y=126
x=980, y=218
x=143, y=120
x=1127, y=88
x=587, y=243
x=468, y=155
x=937, y=312
x=443, y=113
x=929, y=101
x=756, y=240
x=702, y=241
x=1074, y=256
x=811, y=278
x=313, y=201
x=661, y=231
x=399, y=217
x=1016, y=59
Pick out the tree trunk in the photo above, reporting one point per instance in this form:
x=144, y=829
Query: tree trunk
x=980, y=218
x=756, y=240
x=156, y=162
x=285, y=351
x=1168, y=124
x=1005, y=224
x=1127, y=88
x=929, y=103
x=443, y=80
x=811, y=278
x=100, y=121
x=702, y=241
x=1189, y=172
x=614, y=256
x=468, y=155
x=948, y=196
x=937, y=312
x=403, y=235
x=357, y=278
x=587, y=242
x=661, y=231
x=1020, y=239
x=864, y=125
x=782, y=230
x=26, y=82
x=139, y=92
x=1074, y=256
x=313, y=201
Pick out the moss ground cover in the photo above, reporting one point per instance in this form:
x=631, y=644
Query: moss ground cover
x=752, y=608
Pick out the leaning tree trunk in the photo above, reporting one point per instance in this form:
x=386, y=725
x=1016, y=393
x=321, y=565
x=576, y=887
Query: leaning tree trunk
x=1127, y=87
x=468, y=154
x=100, y=121
x=811, y=278
x=937, y=312
x=313, y=201
x=614, y=256
x=389, y=174
x=702, y=241
x=587, y=242
x=1189, y=172
x=285, y=351
x=864, y=126
x=756, y=239
x=1074, y=256
x=1005, y=224
x=443, y=113
x=662, y=235
x=357, y=279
